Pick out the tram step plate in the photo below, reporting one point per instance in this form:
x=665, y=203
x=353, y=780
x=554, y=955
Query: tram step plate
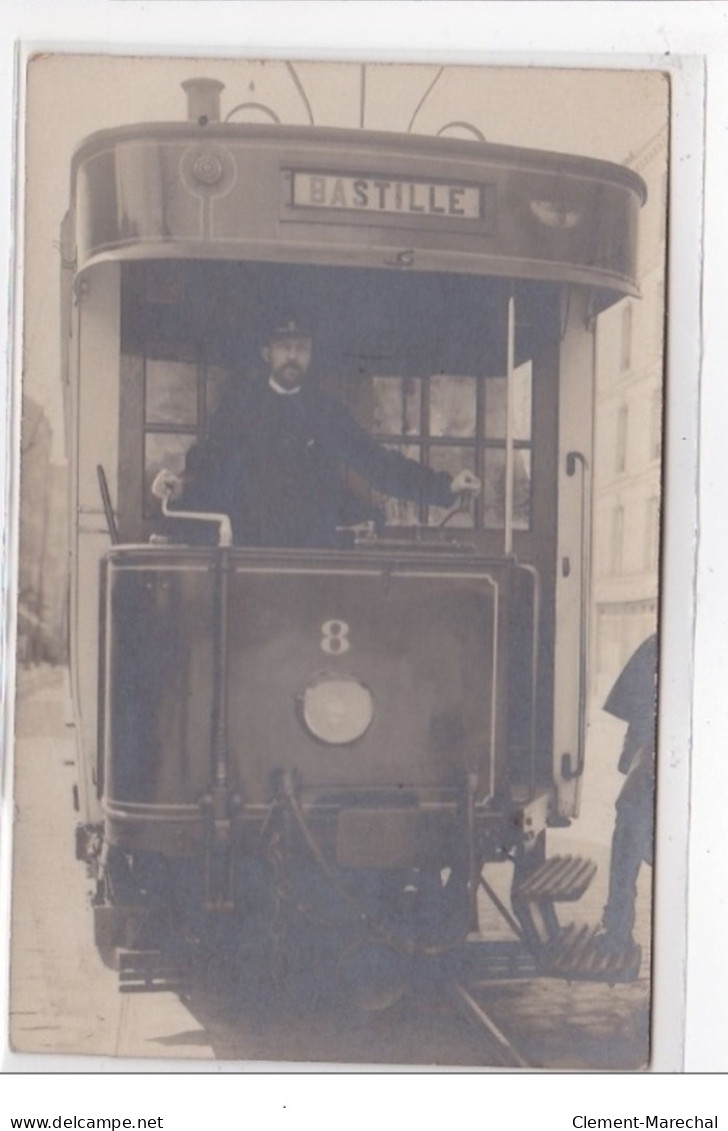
x=560, y=879
x=579, y=954
x=150, y=971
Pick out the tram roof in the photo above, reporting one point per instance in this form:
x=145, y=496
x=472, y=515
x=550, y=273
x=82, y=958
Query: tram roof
x=361, y=139
x=338, y=196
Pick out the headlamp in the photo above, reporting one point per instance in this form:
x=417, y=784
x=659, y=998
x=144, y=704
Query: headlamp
x=336, y=708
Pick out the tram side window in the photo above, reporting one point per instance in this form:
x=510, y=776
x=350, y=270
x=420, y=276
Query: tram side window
x=179, y=398
x=450, y=422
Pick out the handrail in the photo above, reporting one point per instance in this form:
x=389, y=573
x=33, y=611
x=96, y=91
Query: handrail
x=225, y=531
x=509, y=468
x=568, y=771
x=164, y=486
x=535, y=645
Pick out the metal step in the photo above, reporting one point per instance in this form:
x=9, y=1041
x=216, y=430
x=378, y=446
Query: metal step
x=579, y=955
x=560, y=879
x=151, y=971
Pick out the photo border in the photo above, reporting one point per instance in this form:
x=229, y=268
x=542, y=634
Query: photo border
x=685, y=356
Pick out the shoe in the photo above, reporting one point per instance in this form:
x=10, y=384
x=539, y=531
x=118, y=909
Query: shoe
x=619, y=952
x=613, y=942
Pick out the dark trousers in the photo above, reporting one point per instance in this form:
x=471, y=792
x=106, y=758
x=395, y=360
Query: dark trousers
x=631, y=845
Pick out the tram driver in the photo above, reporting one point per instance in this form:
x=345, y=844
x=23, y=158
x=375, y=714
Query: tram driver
x=275, y=448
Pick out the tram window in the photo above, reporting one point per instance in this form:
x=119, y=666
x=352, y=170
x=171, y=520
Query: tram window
x=494, y=489
x=495, y=408
x=419, y=361
x=522, y=394
x=452, y=460
x=179, y=398
x=495, y=405
x=402, y=512
x=171, y=392
x=439, y=410
x=452, y=406
x=396, y=405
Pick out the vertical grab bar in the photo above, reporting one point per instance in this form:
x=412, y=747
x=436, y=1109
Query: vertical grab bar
x=535, y=643
x=218, y=807
x=220, y=740
x=510, y=370
x=568, y=771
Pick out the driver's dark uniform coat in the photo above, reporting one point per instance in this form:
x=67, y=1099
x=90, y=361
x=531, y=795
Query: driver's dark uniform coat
x=273, y=463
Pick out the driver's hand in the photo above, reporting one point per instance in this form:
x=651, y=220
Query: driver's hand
x=167, y=485
x=465, y=483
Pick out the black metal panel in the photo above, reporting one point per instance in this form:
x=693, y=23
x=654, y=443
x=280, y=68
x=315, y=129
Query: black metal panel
x=425, y=633
x=423, y=646
x=159, y=676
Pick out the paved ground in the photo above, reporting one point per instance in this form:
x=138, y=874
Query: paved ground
x=64, y=1001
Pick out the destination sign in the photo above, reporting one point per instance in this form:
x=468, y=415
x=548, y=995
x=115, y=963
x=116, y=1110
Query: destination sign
x=386, y=195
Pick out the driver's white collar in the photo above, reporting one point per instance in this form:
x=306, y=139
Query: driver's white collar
x=279, y=388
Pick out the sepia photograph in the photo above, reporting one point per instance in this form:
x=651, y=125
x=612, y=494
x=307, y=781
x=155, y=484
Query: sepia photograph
x=339, y=563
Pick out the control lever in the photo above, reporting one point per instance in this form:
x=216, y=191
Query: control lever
x=462, y=506
x=108, y=508
x=164, y=487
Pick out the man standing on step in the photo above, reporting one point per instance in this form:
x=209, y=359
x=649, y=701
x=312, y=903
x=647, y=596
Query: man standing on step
x=632, y=699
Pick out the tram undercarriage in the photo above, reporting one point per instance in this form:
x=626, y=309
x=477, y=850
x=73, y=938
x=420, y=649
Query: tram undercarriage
x=288, y=924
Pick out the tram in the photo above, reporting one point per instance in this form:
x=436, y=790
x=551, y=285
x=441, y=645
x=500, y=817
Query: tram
x=348, y=736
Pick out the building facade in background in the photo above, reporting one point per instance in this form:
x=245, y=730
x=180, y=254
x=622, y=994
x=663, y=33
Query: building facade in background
x=630, y=366
x=43, y=552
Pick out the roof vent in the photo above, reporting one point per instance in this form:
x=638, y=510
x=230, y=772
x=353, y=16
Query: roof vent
x=203, y=100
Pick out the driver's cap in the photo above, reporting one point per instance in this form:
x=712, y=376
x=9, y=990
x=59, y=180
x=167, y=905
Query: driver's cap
x=290, y=326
